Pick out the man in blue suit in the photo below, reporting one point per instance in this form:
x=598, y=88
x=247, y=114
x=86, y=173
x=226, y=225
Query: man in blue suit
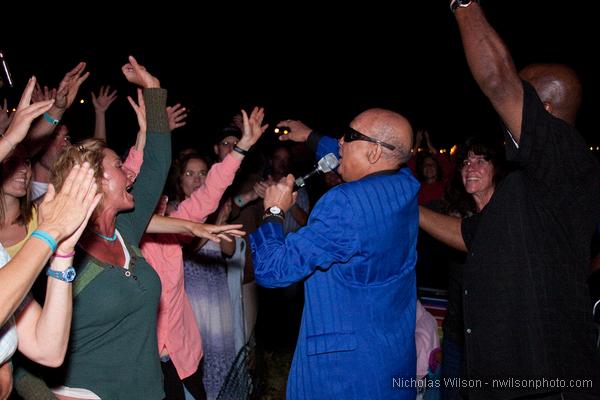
x=356, y=256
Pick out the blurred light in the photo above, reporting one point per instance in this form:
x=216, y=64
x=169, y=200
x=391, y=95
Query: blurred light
x=591, y=149
x=82, y=101
x=453, y=150
x=282, y=131
x=442, y=151
x=597, y=148
x=14, y=109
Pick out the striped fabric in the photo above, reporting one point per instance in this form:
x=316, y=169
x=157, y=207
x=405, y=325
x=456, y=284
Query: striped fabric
x=357, y=257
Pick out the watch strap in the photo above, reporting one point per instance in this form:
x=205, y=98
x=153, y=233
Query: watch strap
x=68, y=275
x=269, y=214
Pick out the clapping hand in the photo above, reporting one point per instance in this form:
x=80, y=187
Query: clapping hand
x=25, y=114
x=65, y=214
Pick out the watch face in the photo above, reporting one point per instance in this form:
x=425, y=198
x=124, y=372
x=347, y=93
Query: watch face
x=69, y=274
x=275, y=210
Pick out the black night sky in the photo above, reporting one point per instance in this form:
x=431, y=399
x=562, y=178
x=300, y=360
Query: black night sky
x=304, y=62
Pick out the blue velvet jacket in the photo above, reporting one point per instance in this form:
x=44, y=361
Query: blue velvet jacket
x=356, y=256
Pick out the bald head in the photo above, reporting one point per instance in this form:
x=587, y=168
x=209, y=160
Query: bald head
x=389, y=127
x=557, y=86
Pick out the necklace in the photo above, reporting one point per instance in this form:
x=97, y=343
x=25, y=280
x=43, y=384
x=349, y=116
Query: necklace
x=109, y=238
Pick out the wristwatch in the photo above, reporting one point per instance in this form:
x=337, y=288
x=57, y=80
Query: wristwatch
x=68, y=275
x=454, y=4
x=273, y=211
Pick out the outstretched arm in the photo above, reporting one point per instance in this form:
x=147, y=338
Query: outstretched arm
x=162, y=224
x=492, y=66
x=442, y=227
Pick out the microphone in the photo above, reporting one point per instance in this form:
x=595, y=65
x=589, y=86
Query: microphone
x=328, y=163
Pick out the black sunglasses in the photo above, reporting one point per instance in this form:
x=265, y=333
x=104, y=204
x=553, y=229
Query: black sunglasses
x=351, y=135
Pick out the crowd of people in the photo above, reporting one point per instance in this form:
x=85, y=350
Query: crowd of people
x=135, y=277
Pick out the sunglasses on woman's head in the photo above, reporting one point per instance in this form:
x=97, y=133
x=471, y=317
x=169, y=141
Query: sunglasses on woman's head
x=351, y=135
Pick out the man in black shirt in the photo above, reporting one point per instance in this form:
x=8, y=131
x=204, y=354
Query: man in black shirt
x=527, y=313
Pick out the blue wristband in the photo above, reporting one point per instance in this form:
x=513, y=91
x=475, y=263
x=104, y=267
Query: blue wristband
x=50, y=119
x=45, y=236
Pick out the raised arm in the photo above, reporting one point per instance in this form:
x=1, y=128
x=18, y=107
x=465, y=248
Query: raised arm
x=442, y=227
x=205, y=200
x=101, y=104
x=157, y=154
x=22, y=119
x=65, y=96
x=492, y=66
x=300, y=132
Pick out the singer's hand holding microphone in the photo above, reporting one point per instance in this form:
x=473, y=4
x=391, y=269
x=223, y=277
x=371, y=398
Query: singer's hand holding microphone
x=281, y=195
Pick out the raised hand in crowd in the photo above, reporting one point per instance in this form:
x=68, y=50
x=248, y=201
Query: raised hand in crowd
x=238, y=121
x=253, y=128
x=65, y=96
x=104, y=99
x=5, y=117
x=69, y=86
x=298, y=130
x=177, y=115
x=101, y=104
x=430, y=146
x=137, y=74
x=45, y=94
x=22, y=119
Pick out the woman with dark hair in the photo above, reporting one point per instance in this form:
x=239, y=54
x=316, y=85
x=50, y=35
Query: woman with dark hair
x=429, y=173
x=198, y=192
x=460, y=195
x=432, y=169
x=480, y=167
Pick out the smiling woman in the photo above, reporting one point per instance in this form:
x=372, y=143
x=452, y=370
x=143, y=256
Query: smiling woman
x=16, y=211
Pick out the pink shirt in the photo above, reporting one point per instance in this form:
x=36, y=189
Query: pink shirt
x=134, y=161
x=177, y=329
x=426, y=338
